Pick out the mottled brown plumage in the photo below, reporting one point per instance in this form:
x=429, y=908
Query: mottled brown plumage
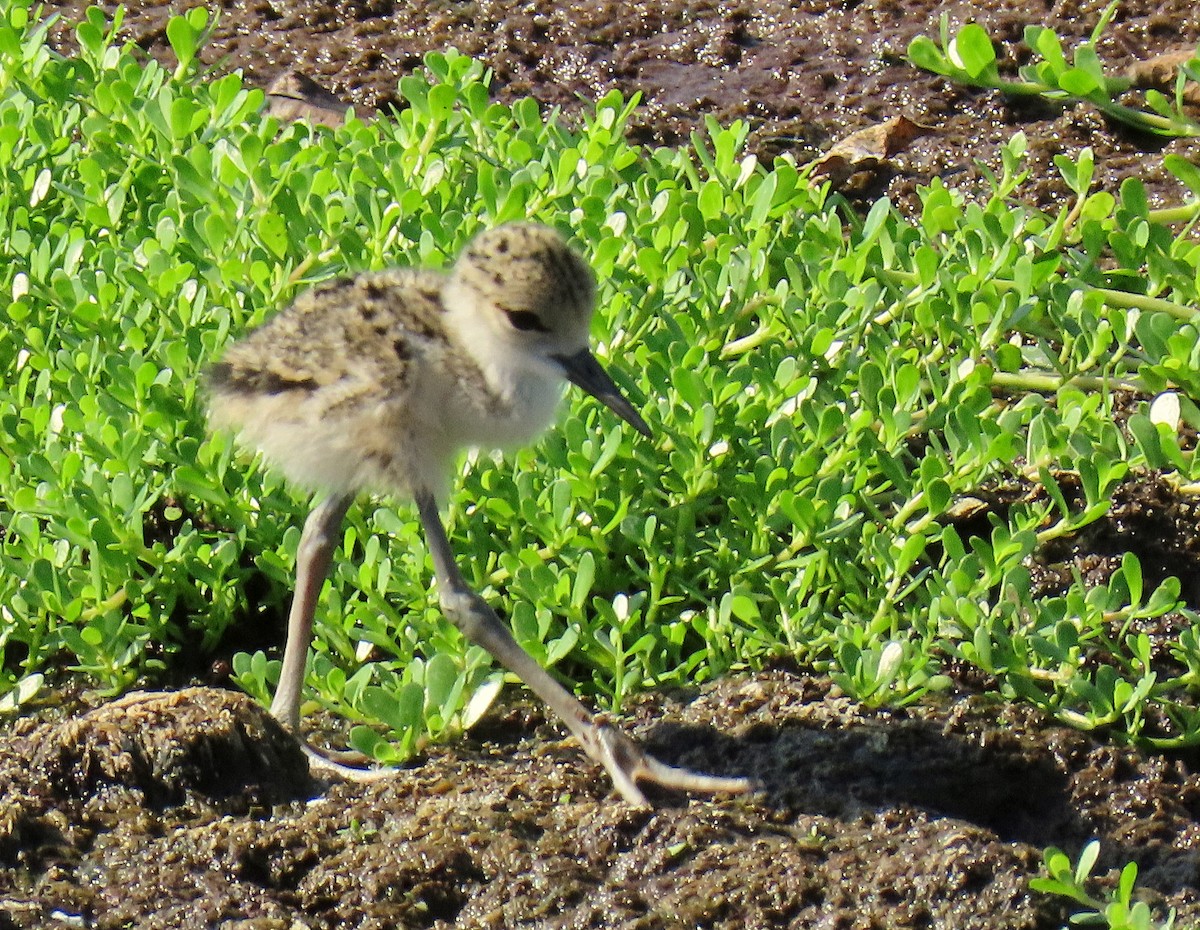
x=344, y=390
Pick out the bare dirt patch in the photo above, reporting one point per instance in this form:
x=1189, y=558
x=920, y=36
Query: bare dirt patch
x=929, y=817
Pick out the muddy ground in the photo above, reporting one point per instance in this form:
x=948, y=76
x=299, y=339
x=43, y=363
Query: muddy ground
x=194, y=810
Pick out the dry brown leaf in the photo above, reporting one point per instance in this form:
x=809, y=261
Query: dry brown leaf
x=865, y=149
x=964, y=508
x=1159, y=73
x=294, y=96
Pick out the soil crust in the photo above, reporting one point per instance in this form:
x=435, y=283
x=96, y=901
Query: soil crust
x=194, y=809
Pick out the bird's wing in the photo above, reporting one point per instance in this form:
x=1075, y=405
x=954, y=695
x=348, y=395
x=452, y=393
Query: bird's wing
x=342, y=341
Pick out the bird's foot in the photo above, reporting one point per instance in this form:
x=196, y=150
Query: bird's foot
x=629, y=764
x=350, y=765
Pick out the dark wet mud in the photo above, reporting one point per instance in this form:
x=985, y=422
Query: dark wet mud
x=194, y=810
x=931, y=817
x=802, y=73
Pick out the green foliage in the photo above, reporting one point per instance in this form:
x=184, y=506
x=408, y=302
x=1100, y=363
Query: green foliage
x=1119, y=911
x=969, y=57
x=826, y=391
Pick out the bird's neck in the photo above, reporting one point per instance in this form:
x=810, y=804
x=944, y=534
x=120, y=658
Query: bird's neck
x=520, y=393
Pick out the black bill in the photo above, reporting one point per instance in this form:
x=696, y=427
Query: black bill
x=583, y=370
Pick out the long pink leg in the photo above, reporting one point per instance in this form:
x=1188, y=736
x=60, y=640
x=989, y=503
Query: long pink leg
x=625, y=761
x=317, y=542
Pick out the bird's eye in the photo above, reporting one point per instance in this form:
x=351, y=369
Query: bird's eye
x=525, y=321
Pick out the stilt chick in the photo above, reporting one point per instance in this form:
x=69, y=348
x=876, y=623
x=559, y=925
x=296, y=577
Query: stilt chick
x=377, y=381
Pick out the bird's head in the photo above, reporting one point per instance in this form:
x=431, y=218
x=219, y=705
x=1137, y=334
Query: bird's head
x=532, y=298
